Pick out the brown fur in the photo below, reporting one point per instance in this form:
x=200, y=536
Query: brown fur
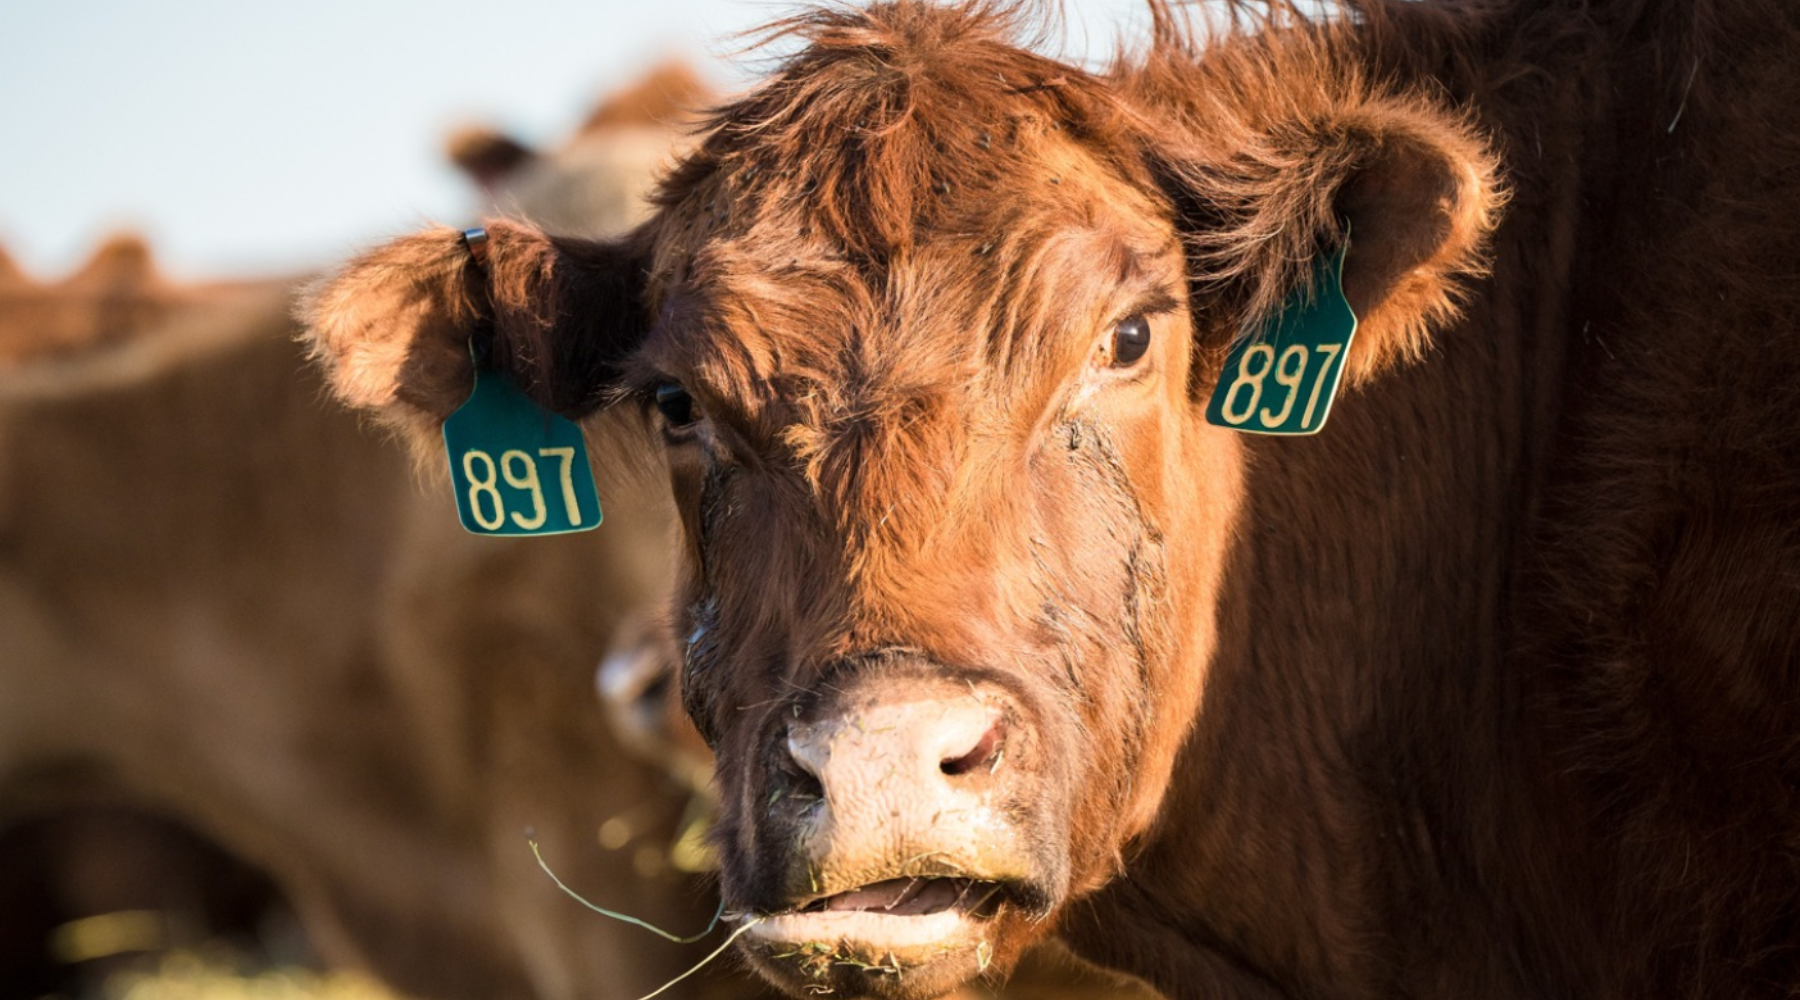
x=10, y=274
x=670, y=96
x=1486, y=691
x=117, y=294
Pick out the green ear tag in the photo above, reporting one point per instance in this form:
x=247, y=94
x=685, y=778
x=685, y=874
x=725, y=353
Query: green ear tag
x=518, y=468
x=1282, y=379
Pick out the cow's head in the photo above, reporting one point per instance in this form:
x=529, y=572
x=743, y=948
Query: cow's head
x=925, y=329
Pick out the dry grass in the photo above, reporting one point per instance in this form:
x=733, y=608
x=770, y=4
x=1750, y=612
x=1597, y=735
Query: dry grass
x=183, y=976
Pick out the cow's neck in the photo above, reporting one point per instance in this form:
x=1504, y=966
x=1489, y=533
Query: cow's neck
x=1363, y=743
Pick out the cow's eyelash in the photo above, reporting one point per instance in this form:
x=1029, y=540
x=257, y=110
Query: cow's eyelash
x=1154, y=304
x=641, y=391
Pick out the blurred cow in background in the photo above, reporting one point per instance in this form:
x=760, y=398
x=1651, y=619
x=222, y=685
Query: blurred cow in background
x=600, y=177
x=116, y=294
x=373, y=715
x=250, y=664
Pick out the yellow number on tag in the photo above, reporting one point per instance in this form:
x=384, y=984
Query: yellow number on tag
x=1290, y=376
x=480, y=485
x=568, y=481
x=1252, y=379
x=1331, y=352
x=527, y=480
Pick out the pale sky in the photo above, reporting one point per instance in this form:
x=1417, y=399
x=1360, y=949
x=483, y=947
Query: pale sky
x=252, y=137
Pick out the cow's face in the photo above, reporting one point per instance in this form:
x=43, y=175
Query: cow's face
x=952, y=527
x=925, y=330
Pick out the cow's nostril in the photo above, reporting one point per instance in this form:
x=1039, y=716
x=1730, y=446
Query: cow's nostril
x=797, y=789
x=985, y=755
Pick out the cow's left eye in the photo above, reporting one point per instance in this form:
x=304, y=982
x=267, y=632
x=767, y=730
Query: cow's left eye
x=1131, y=341
x=676, y=406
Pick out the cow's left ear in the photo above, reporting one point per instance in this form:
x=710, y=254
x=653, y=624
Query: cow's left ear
x=1264, y=188
x=487, y=156
x=395, y=328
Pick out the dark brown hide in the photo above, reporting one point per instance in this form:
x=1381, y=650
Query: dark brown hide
x=1485, y=691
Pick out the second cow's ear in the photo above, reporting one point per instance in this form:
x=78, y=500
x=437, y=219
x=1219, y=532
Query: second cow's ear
x=1289, y=159
x=395, y=326
x=487, y=156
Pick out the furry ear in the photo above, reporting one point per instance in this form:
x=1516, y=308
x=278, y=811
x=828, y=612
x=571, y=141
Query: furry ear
x=487, y=156
x=394, y=327
x=1278, y=162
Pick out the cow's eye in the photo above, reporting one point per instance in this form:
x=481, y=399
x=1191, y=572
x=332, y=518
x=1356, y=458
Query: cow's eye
x=676, y=406
x=1131, y=341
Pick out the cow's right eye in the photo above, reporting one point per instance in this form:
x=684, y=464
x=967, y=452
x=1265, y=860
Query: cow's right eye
x=1131, y=341
x=676, y=406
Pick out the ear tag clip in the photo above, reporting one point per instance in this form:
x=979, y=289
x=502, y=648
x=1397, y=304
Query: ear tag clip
x=517, y=468
x=1283, y=378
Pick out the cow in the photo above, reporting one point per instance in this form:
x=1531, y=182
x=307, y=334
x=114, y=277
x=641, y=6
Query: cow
x=116, y=294
x=601, y=175
x=1486, y=689
x=225, y=705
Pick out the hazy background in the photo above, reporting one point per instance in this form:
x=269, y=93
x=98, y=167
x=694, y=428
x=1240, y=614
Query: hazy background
x=262, y=138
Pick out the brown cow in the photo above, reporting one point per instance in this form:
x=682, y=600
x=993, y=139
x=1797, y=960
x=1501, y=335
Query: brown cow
x=115, y=295
x=1487, y=690
x=570, y=189
x=601, y=174
x=323, y=675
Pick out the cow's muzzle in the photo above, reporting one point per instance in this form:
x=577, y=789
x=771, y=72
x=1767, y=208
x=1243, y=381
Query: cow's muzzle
x=906, y=818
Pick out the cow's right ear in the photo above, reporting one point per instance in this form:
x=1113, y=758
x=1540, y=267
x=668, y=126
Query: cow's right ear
x=395, y=327
x=1282, y=154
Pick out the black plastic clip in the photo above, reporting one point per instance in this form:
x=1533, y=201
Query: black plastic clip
x=481, y=341
x=477, y=242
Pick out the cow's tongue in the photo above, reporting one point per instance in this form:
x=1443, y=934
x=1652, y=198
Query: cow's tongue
x=901, y=896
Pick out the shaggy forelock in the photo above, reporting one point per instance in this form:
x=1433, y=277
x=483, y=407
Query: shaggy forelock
x=885, y=114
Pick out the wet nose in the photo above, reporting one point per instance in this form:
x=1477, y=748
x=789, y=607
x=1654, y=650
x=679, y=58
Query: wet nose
x=903, y=776
x=927, y=743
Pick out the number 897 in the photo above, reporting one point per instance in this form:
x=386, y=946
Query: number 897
x=519, y=470
x=1256, y=364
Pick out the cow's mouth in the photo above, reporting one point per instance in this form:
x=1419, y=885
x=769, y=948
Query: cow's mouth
x=892, y=928
x=913, y=897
